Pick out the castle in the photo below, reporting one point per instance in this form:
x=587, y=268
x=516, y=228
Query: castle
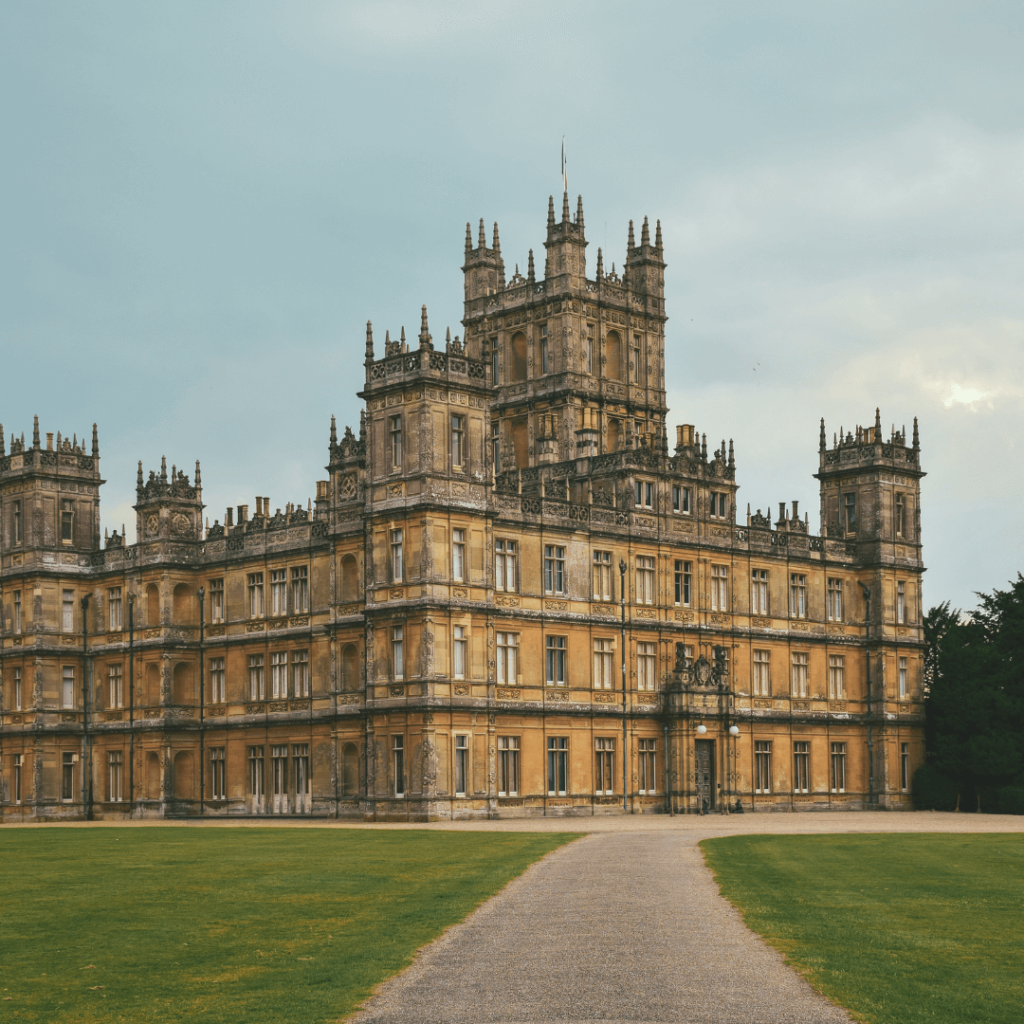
x=509, y=597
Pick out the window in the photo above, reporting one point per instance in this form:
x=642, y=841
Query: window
x=397, y=561
x=218, y=780
x=838, y=768
x=216, y=600
x=850, y=512
x=256, y=687
x=643, y=493
x=801, y=766
x=255, y=595
x=646, y=666
x=558, y=765
x=279, y=778
x=648, y=766
x=115, y=771
x=458, y=554
x=398, y=764
x=762, y=673
x=395, y=433
x=604, y=672
x=17, y=522
x=496, y=447
x=799, y=673
x=508, y=765
x=900, y=515
x=115, y=686
x=835, y=600
x=458, y=440
x=67, y=692
x=687, y=655
x=634, y=361
x=398, y=651
x=644, y=579
x=67, y=521
x=256, y=776
x=763, y=766
x=300, y=765
x=67, y=618
x=904, y=690
x=17, y=689
x=279, y=675
x=300, y=589
x=217, y=680
x=718, y=505
x=278, y=591
x=555, y=661
x=507, y=662
x=459, y=652
x=604, y=770
x=505, y=552
x=904, y=766
x=836, y=673
x=114, y=619
x=67, y=776
x=901, y=602
x=684, y=583
x=17, y=611
x=461, y=764
x=494, y=362
x=545, y=360
x=602, y=575
x=797, y=596
x=759, y=592
x=719, y=588
x=300, y=673
x=17, y=778
x=588, y=352
x=554, y=569
x=681, y=499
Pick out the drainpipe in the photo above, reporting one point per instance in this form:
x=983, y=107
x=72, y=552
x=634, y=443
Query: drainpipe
x=86, y=741
x=622, y=599
x=867, y=680
x=202, y=702
x=131, y=706
x=668, y=777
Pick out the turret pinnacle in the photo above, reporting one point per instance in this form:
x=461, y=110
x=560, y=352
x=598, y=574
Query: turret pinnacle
x=600, y=265
x=199, y=479
x=163, y=468
x=822, y=442
x=657, y=235
x=565, y=207
x=530, y=276
x=483, y=235
x=424, y=329
x=139, y=480
x=878, y=425
x=469, y=238
x=645, y=234
x=35, y=431
x=334, y=431
x=630, y=243
x=369, y=342
x=579, y=210
x=95, y=441
x=497, y=243
x=917, y=439
x=551, y=211
x=2, y=449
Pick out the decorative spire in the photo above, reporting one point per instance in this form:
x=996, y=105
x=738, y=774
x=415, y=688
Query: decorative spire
x=163, y=468
x=565, y=207
x=657, y=235
x=483, y=235
x=369, y=342
x=704, y=446
x=2, y=449
x=35, y=431
x=878, y=426
x=334, y=431
x=917, y=439
x=600, y=264
x=497, y=242
x=631, y=244
x=551, y=211
x=579, y=210
x=95, y=441
x=424, y=330
x=732, y=457
x=401, y=338
x=447, y=339
x=138, y=480
x=469, y=238
x=199, y=479
x=362, y=424
x=821, y=437
x=645, y=234
x=530, y=276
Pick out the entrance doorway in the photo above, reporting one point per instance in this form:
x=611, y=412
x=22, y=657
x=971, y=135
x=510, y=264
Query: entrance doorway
x=704, y=774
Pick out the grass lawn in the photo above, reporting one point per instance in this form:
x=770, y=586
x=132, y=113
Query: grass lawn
x=897, y=928
x=229, y=924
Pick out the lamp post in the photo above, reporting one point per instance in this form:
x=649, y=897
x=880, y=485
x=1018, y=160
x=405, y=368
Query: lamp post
x=622, y=599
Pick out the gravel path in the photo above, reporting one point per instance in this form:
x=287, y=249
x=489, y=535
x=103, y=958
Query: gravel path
x=623, y=926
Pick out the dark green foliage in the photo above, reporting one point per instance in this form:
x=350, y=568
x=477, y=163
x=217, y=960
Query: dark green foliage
x=974, y=671
x=934, y=791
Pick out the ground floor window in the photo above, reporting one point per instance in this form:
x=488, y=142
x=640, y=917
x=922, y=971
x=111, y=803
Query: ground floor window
x=256, y=777
x=461, y=764
x=218, y=789
x=801, y=765
x=558, y=765
x=838, y=768
x=67, y=776
x=115, y=770
x=17, y=778
x=904, y=766
x=300, y=773
x=508, y=765
x=763, y=766
x=604, y=774
x=647, y=767
x=398, y=764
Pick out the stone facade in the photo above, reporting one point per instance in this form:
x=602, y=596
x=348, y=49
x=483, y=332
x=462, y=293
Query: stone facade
x=443, y=631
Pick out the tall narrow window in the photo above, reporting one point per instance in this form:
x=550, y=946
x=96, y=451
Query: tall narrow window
x=300, y=773
x=398, y=651
x=635, y=363
x=555, y=661
x=835, y=600
x=67, y=612
x=604, y=669
x=458, y=441
x=850, y=512
x=279, y=778
x=114, y=617
x=554, y=569
x=256, y=777
x=645, y=580
x=17, y=778
x=461, y=764
x=67, y=691
x=257, y=689
x=395, y=432
x=836, y=676
x=904, y=688
x=67, y=776
x=115, y=772
x=759, y=591
x=496, y=447
x=681, y=499
x=494, y=362
x=762, y=673
x=279, y=675
x=719, y=588
x=558, y=765
x=545, y=359
x=838, y=768
x=398, y=764
x=300, y=589
x=763, y=766
x=115, y=686
x=801, y=766
x=688, y=655
x=684, y=583
x=505, y=552
x=588, y=352
x=799, y=674
x=508, y=766
x=278, y=592
x=901, y=602
x=646, y=666
x=459, y=643
x=217, y=681
x=300, y=673
x=797, y=596
x=643, y=493
x=17, y=523
x=67, y=521
x=255, y=595
x=217, y=600
x=17, y=611
x=17, y=689
x=458, y=555
x=647, y=766
x=604, y=769
x=508, y=644
x=602, y=575
x=397, y=560
x=218, y=787
x=900, y=515
x=904, y=766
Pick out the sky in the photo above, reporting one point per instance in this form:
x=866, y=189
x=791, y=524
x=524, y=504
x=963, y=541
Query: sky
x=201, y=205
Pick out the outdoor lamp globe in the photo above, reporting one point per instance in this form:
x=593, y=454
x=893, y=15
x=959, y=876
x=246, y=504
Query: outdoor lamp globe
x=701, y=729
x=734, y=730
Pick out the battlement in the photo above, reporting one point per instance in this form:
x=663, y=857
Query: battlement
x=60, y=451
x=867, y=446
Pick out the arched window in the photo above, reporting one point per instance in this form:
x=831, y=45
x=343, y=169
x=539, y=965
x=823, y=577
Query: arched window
x=350, y=770
x=182, y=604
x=350, y=667
x=152, y=605
x=153, y=776
x=182, y=688
x=521, y=443
x=183, y=781
x=614, y=432
x=613, y=356
x=152, y=695
x=518, y=349
x=349, y=578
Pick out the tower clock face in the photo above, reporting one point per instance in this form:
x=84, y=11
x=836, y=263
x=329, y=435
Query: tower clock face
x=152, y=524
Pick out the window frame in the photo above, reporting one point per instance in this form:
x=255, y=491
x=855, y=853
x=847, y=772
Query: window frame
x=554, y=569
x=458, y=554
x=257, y=606
x=458, y=440
x=396, y=442
x=834, y=598
x=507, y=646
x=646, y=666
x=646, y=580
x=647, y=766
x=801, y=766
x=558, y=766
x=299, y=587
x=115, y=617
x=761, y=682
x=460, y=764
x=719, y=588
x=460, y=649
x=506, y=558
x=217, y=600
x=555, y=651
x=604, y=765
x=681, y=504
x=837, y=677
x=837, y=768
x=763, y=766
x=797, y=595
x=760, y=592
x=508, y=766
x=799, y=674
x=603, y=663
x=396, y=538
x=602, y=585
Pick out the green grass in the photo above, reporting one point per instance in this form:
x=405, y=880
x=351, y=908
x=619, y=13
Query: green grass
x=230, y=924
x=897, y=928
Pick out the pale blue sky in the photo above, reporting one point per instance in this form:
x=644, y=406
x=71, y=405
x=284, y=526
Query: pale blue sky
x=202, y=204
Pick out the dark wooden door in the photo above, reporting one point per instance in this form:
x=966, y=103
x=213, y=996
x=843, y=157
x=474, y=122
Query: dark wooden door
x=704, y=774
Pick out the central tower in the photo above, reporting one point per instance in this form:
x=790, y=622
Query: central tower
x=577, y=364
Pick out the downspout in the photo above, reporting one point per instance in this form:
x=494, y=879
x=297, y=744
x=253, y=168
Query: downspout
x=131, y=705
x=86, y=744
x=202, y=701
x=867, y=680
